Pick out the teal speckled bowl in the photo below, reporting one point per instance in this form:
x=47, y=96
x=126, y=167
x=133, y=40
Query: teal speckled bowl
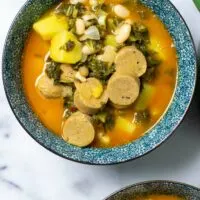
x=157, y=187
x=12, y=79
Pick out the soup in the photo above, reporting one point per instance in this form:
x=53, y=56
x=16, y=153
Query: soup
x=159, y=197
x=99, y=73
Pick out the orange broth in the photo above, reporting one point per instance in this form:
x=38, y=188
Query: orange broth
x=50, y=111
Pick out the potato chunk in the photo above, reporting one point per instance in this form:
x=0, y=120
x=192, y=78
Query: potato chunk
x=49, y=90
x=58, y=52
x=49, y=26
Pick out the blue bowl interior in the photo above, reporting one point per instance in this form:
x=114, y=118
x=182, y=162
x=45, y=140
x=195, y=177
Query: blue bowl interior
x=157, y=187
x=12, y=79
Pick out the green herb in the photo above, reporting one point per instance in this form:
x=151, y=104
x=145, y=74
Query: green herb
x=150, y=74
x=139, y=34
x=71, y=10
x=105, y=118
x=94, y=46
x=153, y=60
x=53, y=71
x=142, y=117
x=68, y=46
x=71, y=25
x=113, y=23
x=100, y=69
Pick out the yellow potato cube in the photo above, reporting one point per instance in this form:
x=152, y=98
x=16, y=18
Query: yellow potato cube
x=59, y=54
x=123, y=124
x=97, y=91
x=49, y=26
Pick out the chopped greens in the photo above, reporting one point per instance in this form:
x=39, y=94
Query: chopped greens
x=71, y=10
x=69, y=103
x=113, y=23
x=100, y=69
x=150, y=74
x=94, y=46
x=53, y=71
x=68, y=46
x=105, y=118
x=142, y=117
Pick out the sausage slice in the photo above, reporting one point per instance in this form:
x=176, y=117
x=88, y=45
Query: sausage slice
x=49, y=90
x=123, y=90
x=78, y=130
x=90, y=96
x=130, y=60
x=90, y=105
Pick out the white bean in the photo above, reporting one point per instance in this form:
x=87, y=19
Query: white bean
x=86, y=50
x=121, y=11
x=123, y=33
x=79, y=77
x=80, y=26
x=84, y=71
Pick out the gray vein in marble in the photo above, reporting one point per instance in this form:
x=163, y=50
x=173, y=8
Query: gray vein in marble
x=84, y=186
x=3, y=168
x=11, y=184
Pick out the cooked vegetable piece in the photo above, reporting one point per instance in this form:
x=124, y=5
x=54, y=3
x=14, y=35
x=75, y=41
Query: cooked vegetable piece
x=110, y=41
x=145, y=97
x=105, y=118
x=49, y=90
x=100, y=69
x=130, y=60
x=68, y=74
x=102, y=16
x=79, y=77
x=78, y=130
x=142, y=117
x=150, y=75
x=68, y=46
x=123, y=90
x=70, y=10
x=113, y=23
x=53, y=71
x=91, y=47
x=61, y=55
x=109, y=55
x=92, y=33
x=49, y=26
x=124, y=125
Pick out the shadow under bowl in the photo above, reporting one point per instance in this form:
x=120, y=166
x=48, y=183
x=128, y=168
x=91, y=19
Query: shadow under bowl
x=12, y=79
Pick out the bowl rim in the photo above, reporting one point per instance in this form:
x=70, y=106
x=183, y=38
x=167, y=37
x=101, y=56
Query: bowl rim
x=151, y=182
x=170, y=134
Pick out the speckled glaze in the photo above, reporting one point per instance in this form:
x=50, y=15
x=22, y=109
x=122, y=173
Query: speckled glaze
x=157, y=187
x=12, y=79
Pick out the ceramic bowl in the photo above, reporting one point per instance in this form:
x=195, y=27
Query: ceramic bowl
x=157, y=187
x=12, y=79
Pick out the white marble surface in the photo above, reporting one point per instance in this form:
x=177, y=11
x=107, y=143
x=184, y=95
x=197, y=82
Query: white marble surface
x=30, y=172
